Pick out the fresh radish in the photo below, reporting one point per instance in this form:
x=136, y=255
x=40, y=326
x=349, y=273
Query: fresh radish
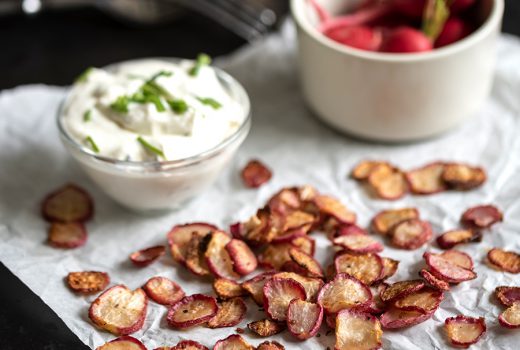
x=406, y=40
x=361, y=17
x=411, y=8
x=360, y=37
x=458, y=6
x=454, y=30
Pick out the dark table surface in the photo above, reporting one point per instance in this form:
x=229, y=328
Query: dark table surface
x=32, y=46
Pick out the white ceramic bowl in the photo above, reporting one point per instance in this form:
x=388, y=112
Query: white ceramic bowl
x=395, y=97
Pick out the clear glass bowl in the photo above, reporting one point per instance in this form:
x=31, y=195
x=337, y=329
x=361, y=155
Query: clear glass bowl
x=154, y=186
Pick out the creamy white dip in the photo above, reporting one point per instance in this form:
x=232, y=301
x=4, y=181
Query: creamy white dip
x=150, y=110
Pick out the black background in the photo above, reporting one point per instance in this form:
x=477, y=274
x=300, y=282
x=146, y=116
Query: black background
x=52, y=48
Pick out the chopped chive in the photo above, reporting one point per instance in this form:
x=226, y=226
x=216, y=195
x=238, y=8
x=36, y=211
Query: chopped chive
x=87, y=116
x=162, y=73
x=157, y=102
x=150, y=147
x=178, y=106
x=202, y=60
x=92, y=144
x=84, y=76
x=121, y=104
x=210, y=102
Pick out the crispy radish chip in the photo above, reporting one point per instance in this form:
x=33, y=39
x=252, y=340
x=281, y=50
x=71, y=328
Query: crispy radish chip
x=305, y=244
x=266, y=327
x=368, y=268
x=233, y=342
x=427, y=180
x=191, y=311
x=510, y=318
x=504, y=260
x=458, y=258
x=463, y=331
x=332, y=207
x=227, y=289
x=388, y=182
x=270, y=345
x=390, y=267
x=67, y=235
x=275, y=255
x=163, y=290
x=187, y=345
x=311, y=285
x=463, y=177
x=400, y=290
x=244, y=260
x=88, y=281
x=394, y=318
x=377, y=306
x=357, y=330
x=230, y=313
x=255, y=174
x=508, y=295
x=434, y=281
x=482, y=216
x=358, y=243
x=255, y=286
x=344, y=292
x=426, y=301
x=125, y=342
x=217, y=257
x=69, y=203
x=195, y=258
x=387, y=219
x=411, y=234
x=452, y=238
x=347, y=230
x=307, y=262
x=304, y=318
x=119, y=310
x=180, y=235
x=446, y=270
x=362, y=170
x=147, y=256
x=278, y=293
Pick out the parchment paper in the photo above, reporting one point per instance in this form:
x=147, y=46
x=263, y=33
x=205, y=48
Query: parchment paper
x=300, y=150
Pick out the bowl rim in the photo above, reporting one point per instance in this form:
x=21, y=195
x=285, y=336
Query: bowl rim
x=491, y=22
x=155, y=165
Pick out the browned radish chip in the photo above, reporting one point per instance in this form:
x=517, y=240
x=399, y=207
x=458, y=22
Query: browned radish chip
x=218, y=258
x=388, y=182
x=411, y=234
x=304, y=318
x=362, y=170
x=291, y=266
x=255, y=286
x=69, y=203
x=255, y=174
x=233, y=342
x=358, y=243
x=266, y=327
x=510, y=318
x=458, y=258
x=270, y=345
x=67, y=235
x=426, y=180
x=311, y=285
x=230, y=313
x=347, y=230
x=227, y=289
x=244, y=260
x=305, y=244
x=191, y=311
x=125, y=342
x=389, y=268
x=446, y=270
x=194, y=254
x=119, y=310
x=394, y=318
x=383, y=222
x=400, y=290
x=163, y=290
x=344, y=292
x=464, y=331
x=285, y=201
x=463, y=177
x=88, y=281
x=426, y=300
x=188, y=345
x=481, y=216
x=307, y=262
x=298, y=221
x=368, y=268
x=377, y=306
x=147, y=256
x=259, y=228
x=434, y=281
x=504, y=260
x=508, y=295
x=330, y=206
x=180, y=235
x=452, y=238
x=357, y=330
x=278, y=293
x=275, y=255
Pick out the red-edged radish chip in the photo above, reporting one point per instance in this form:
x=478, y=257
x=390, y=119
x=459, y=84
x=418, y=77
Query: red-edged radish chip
x=275, y=255
x=244, y=260
x=394, y=318
x=463, y=331
x=508, y=295
x=88, y=281
x=163, y=290
x=230, y=313
x=504, y=260
x=188, y=345
x=452, y=238
x=390, y=267
x=463, y=177
x=291, y=266
x=510, y=318
x=255, y=286
x=304, y=318
x=388, y=182
x=119, y=310
x=237, y=230
x=278, y=293
x=266, y=327
x=298, y=220
x=347, y=230
x=285, y=201
x=67, y=235
x=270, y=345
x=384, y=221
x=427, y=180
x=401, y=289
x=311, y=285
x=194, y=254
x=180, y=235
x=255, y=174
x=307, y=262
x=305, y=244
x=330, y=206
x=125, y=342
x=458, y=258
x=69, y=203
x=191, y=311
x=426, y=300
x=411, y=234
x=358, y=243
x=233, y=342
x=227, y=289
x=368, y=268
x=344, y=292
x=481, y=216
x=258, y=229
x=434, y=281
x=377, y=306
x=357, y=330
x=446, y=270
x=147, y=256
x=362, y=170
x=217, y=257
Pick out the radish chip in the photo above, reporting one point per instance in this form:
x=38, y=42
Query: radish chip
x=368, y=268
x=427, y=180
x=119, y=310
x=344, y=292
x=180, y=235
x=305, y=244
x=88, y=281
x=387, y=219
x=463, y=177
x=446, y=270
x=230, y=313
x=400, y=290
x=255, y=286
x=434, y=281
x=191, y=311
x=358, y=243
x=311, y=285
x=270, y=345
x=304, y=318
x=357, y=330
x=266, y=327
x=388, y=182
x=330, y=206
x=278, y=293
x=195, y=259
x=452, y=238
x=125, y=342
x=255, y=174
x=464, y=331
x=275, y=255
x=508, y=295
x=69, y=203
x=504, y=260
x=147, y=256
x=67, y=235
x=244, y=260
x=390, y=267
x=411, y=234
x=458, y=258
x=377, y=306
x=347, y=230
x=510, y=318
x=218, y=258
x=227, y=289
x=233, y=342
x=163, y=290
x=187, y=345
x=482, y=216
x=426, y=301
x=362, y=170
x=307, y=262
x=395, y=318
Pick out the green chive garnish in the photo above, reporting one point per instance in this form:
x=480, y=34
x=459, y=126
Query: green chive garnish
x=210, y=102
x=162, y=73
x=121, y=104
x=202, y=60
x=92, y=144
x=150, y=147
x=84, y=76
x=178, y=106
x=87, y=115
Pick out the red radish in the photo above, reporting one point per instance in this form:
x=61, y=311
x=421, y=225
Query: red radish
x=320, y=11
x=454, y=30
x=461, y=5
x=406, y=40
x=411, y=8
x=358, y=18
x=359, y=37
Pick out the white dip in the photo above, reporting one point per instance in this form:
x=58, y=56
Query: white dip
x=127, y=114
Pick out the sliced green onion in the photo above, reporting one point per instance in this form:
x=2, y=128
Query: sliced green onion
x=178, y=106
x=87, y=116
x=210, y=102
x=162, y=73
x=121, y=104
x=150, y=147
x=84, y=76
x=202, y=60
x=92, y=144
